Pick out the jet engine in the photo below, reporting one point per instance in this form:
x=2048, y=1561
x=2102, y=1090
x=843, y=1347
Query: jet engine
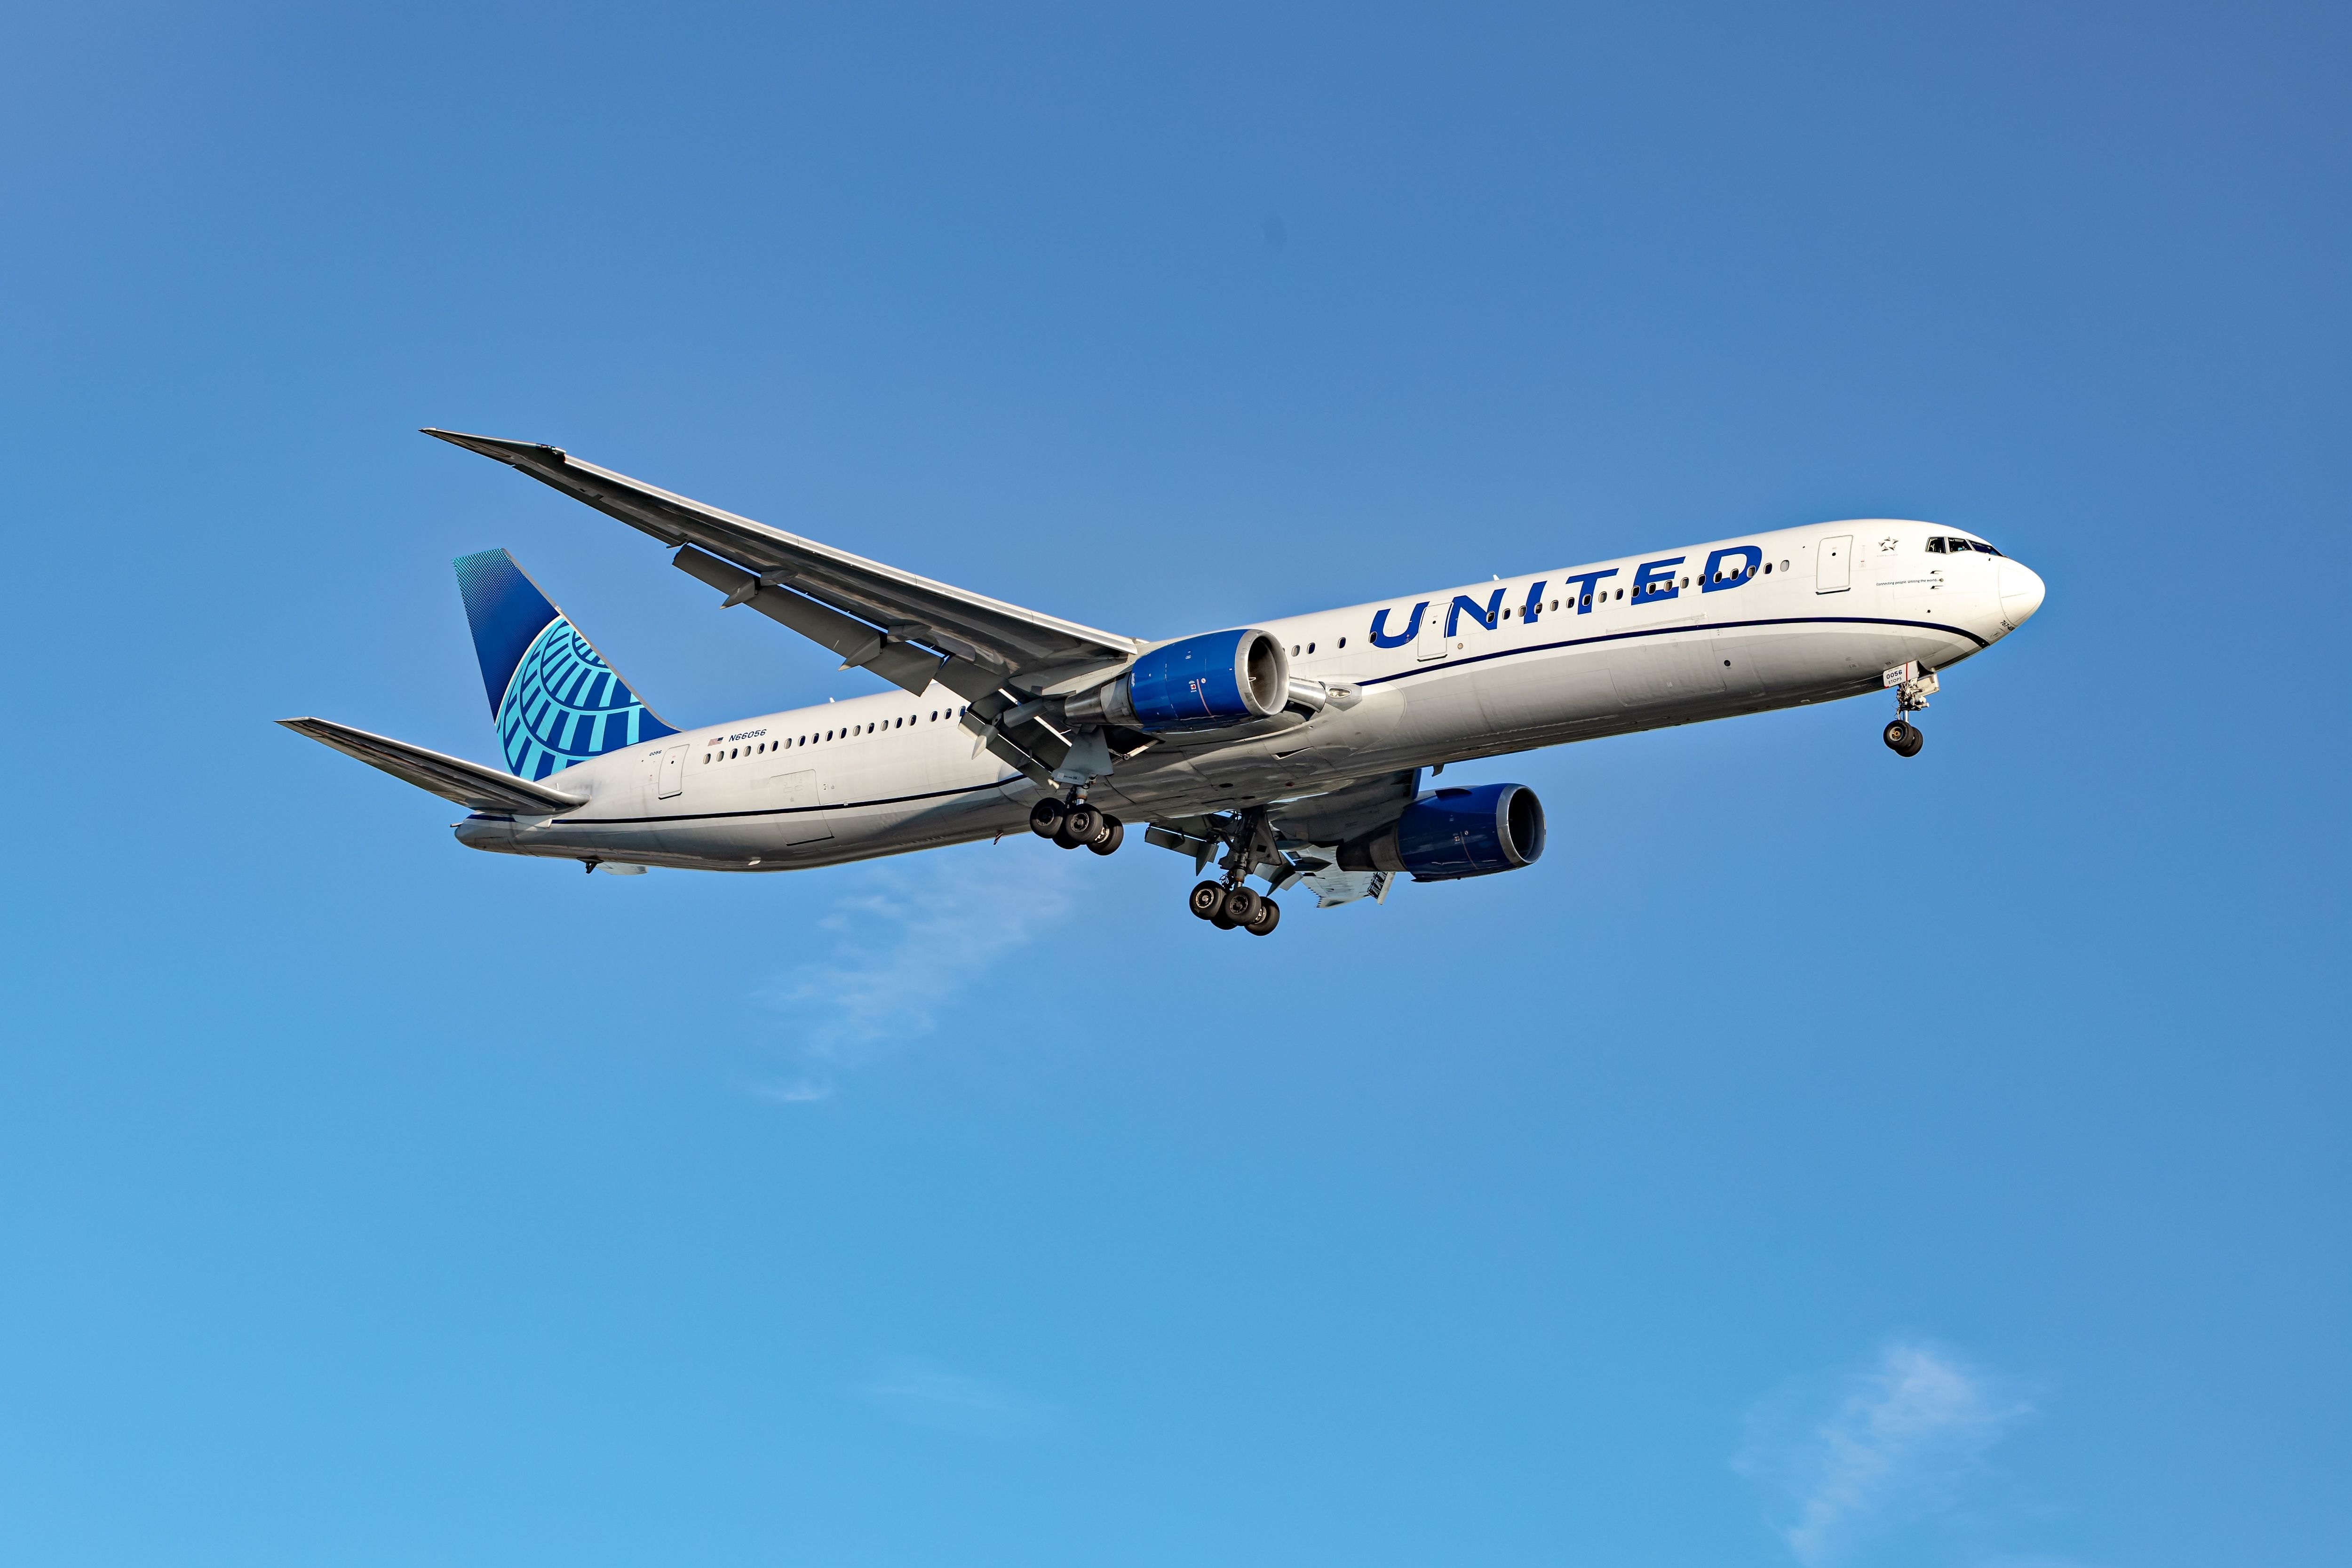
x=1197, y=683
x=1450, y=833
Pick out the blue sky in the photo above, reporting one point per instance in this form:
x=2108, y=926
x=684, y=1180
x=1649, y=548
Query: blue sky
x=1817, y=1159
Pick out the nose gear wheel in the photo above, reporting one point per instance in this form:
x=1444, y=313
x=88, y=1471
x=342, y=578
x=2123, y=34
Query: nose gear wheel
x=1913, y=685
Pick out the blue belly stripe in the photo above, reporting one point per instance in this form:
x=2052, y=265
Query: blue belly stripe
x=1438, y=664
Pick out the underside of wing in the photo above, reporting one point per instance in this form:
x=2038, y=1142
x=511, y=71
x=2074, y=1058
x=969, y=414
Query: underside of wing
x=471, y=784
x=868, y=613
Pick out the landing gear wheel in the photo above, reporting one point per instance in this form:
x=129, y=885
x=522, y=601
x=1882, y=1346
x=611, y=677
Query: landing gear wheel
x=1045, y=817
x=1903, y=738
x=1240, y=907
x=1911, y=747
x=1262, y=923
x=1080, y=824
x=1108, y=841
x=1207, y=898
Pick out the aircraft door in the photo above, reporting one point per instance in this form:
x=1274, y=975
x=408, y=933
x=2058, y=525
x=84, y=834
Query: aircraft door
x=801, y=810
x=1430, y=643
x=1833, y=569
x=673, y=773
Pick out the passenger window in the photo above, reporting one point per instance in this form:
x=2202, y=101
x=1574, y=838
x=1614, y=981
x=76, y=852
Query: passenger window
x=1310, y=647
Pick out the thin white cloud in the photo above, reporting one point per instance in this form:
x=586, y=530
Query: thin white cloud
x=791, y=1091
x=1890, y=1446
x=943, y=1401
x=912, y=940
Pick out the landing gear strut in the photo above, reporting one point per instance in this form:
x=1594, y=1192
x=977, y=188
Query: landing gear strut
x=1228, y=903
x=1912, y=689
x=1072, y=822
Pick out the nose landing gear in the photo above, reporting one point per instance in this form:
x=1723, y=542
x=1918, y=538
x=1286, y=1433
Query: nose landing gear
x=1073, y=822
x=1913, y=687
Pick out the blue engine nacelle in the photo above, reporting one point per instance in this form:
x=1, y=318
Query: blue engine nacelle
x=1197, y=683
x=1467, y=832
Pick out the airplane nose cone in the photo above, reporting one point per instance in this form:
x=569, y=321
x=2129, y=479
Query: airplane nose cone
x=2021, y=593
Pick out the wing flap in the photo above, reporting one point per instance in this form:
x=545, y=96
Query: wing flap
x=1001, y=638
x=902, y=664
x=471, y=784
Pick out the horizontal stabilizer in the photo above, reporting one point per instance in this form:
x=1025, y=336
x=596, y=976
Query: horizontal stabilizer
x=471, y=784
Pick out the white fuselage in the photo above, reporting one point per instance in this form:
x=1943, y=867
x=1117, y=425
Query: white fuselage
x=1829, y=609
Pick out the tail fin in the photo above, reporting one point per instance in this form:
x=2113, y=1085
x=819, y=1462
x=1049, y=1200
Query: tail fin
x=554, y=698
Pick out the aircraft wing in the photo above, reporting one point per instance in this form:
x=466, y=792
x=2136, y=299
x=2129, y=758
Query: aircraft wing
x=471, y=784
x=873, y=616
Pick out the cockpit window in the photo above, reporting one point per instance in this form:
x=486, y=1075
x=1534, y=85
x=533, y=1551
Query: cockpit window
x=1936, y=546
x=1958, y=546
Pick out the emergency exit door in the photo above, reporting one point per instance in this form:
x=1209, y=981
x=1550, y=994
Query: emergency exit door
x=673, y=773
x=1833, y=567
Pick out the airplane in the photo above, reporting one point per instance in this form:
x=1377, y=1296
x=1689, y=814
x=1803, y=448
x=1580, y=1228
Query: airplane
x=1292, y=751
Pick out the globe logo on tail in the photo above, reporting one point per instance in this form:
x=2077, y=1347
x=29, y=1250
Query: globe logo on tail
x=554, y=700
x=565, y=705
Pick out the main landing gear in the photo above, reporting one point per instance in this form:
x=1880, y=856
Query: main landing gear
x=1912, y=686
x=1228, y=903
x=1225, y=908
x=1072, y=822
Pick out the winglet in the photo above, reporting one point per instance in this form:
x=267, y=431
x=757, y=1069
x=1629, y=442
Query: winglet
x=515, y=454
